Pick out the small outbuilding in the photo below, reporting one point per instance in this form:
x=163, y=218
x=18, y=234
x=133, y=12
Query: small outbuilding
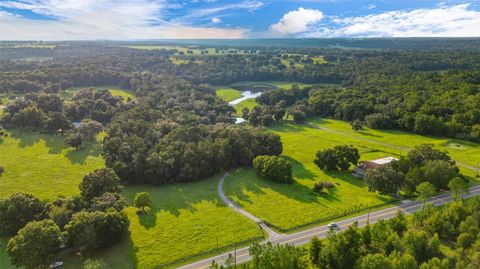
x=364, y=166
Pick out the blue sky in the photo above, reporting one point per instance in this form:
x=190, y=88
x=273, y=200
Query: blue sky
x=158, y=19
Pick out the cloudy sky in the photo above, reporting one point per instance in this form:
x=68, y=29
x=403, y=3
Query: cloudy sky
x=160, y=19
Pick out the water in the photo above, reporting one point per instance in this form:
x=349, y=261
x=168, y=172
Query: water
x=245, y=95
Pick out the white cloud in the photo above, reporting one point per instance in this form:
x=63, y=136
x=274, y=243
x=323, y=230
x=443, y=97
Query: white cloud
x=216, y=20
x=297, y=21
x=100, y=19
x=198, y=13
x=442, y=21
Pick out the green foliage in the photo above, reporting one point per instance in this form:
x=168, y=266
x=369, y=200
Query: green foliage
x=425, y=190
x=88, y=231
x=17, y=210
x=338, y=157
x=35, y=245
x=419, y=155
x=142, y=200
x=268, y=256
x=356, y=125
x=99, y=182
x=458, y=187
x=273, y=168
x=319, y=186
x=384, y=179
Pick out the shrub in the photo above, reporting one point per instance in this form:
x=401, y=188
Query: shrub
x=319, y=186
x=1, y=170
x=273, y=168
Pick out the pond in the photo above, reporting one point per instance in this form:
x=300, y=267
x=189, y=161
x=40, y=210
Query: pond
x=245, y=95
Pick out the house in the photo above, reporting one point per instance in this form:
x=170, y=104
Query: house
x=361, y=170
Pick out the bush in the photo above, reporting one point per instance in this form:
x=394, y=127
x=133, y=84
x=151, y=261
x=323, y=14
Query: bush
x=319, y=186
x=273, y=168
x=1, y=170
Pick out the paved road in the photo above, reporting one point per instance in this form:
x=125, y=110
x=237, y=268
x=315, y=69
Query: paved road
x=304, y=237
x=379, y=143
x=271, y=233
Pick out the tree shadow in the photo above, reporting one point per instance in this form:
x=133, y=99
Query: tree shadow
x=175, y=198
x=78, y=156
x=27, y=138
x=369, y=134
x=299, y=170
x=147, y=219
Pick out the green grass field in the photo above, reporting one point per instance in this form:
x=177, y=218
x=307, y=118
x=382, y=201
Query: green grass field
x=44, y=165
x=280, y=204
x=228, y=94
x=462, y=151
x=186, y=219
x=290, y=205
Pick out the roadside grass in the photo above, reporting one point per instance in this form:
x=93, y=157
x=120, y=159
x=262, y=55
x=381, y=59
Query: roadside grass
x=44, y=165
x=460, y=150
x=185, y=219
x=228, y=94
x=291, y=205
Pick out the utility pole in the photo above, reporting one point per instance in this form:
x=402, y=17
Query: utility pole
x=235, y=253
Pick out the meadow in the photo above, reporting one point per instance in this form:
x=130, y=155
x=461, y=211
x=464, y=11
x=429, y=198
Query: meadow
x=185, y=219
x=44, y=165
x=287, y=206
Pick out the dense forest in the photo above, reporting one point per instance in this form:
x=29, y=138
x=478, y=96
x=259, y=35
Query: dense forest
x=179, y=130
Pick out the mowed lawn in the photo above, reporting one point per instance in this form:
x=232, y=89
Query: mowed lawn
x=44, y=165
x=186, y=219
x=290, y=205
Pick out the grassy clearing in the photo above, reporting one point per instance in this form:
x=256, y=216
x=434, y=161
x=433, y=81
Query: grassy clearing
x=287, y=205
x=44, y=165
x=115, y=91
x=249, y=104
x=186, y=219
x=462, y=151
x=122, y=93
x=228, y=94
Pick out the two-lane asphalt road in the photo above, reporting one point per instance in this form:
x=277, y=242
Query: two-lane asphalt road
x=304, y=237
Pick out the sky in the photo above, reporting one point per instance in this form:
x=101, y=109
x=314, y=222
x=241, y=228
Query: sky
x=198, y=19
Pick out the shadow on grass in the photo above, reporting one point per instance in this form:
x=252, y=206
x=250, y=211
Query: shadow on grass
x=256, y=185
x=54, y=142
x=369, y=134
x=78, y=156
x=175, y=198
x=299, y=170
x=147, y=219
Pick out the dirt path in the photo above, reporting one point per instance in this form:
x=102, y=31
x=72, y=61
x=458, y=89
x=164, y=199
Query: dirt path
x=378, y=143
x=271, y=233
